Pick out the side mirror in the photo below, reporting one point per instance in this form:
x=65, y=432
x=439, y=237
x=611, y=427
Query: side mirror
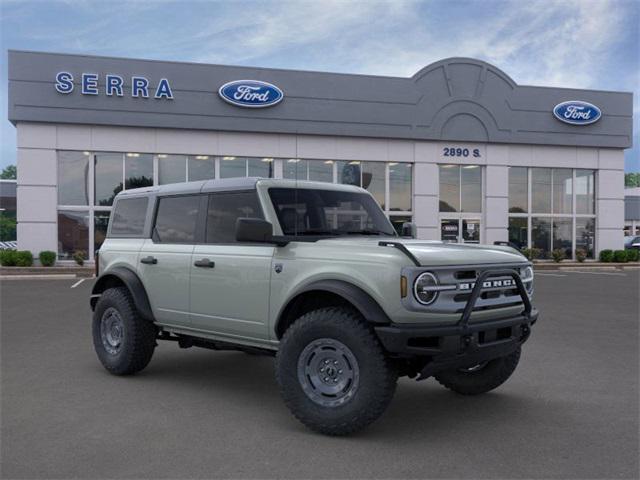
x=253, y=230
x=408, y=230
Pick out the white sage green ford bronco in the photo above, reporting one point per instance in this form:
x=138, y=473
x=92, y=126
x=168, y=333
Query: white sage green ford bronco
x=315, y=274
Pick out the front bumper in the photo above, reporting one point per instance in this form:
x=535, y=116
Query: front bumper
x=447, y=347
x=464, y=344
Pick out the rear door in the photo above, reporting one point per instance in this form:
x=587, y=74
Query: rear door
x=230, y=280
x=165, y=259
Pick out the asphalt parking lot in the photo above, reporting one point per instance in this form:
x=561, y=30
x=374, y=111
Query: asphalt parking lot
x=569, y=411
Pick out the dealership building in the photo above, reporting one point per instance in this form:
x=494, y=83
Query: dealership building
x=459, y=149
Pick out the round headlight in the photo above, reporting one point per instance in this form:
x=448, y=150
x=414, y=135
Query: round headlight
x=425, y=288
x=527, y=279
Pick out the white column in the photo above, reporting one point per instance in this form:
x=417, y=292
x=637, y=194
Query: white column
x=496, y=204
x=610, y=200
x=37, y=188
x=426, y=191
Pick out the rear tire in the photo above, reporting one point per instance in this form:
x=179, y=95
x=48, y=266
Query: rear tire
x=474, y=381
x=332, y=372
x=123, y=341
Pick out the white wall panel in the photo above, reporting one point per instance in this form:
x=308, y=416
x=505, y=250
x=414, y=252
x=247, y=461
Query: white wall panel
x=123, y=139
x=73, y=137
x=38, y=237
x=37, y=167
x=36, y=203
x=36, y=135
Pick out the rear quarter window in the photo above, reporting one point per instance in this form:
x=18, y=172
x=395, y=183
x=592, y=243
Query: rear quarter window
x=129, y=217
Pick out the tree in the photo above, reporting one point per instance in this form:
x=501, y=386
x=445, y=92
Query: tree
x=9, y=173
x=632, y=180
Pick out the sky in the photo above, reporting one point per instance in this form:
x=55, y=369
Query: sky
x=565, y=43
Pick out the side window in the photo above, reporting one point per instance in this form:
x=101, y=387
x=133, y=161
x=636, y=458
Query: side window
x=129, y=216
x=176, y=219
x=225, y=209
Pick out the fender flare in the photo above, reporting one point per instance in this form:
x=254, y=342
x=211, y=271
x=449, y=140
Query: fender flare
x=133, y=284
x=361, y=300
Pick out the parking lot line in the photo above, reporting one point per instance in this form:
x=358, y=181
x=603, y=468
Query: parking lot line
x=600, y=273
x=78, y=283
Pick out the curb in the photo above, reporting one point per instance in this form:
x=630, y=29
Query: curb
x=586, y=266
x=52, y=276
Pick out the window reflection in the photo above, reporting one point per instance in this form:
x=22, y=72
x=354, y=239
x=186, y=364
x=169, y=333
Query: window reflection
x=398, y=220
x=108, y=177
x=294, y=168
x=233, y=167
x=320, y=170
x=585, y=191
x=518, y=190
x=100, y=224
x=562, y=190
x=138, y=170
x=400, y=187
x=260, y=167
x=585, y=235
x=201, y=167
x=541, y=235
x=73, y=178
x=562, y=235
x=449, y=188
x=73, y=233
x=172, y=169
x=373, y=180
x=541, y=190
x=518, y=231
x=471, y=180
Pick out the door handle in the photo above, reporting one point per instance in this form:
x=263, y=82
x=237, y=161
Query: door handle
x=149, y=260
x=205, y=263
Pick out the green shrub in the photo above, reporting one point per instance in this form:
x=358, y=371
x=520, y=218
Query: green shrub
x=47, y=258
x=620, y=256
x=633, y=255
x=531, y=253
x=79, y=256
x=24, y=258
x=606, y=256
x=8, y=258
x=581, y=254
x=558, y=255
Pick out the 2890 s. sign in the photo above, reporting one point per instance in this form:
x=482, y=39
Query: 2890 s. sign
x=250, y=93
x=577, y=112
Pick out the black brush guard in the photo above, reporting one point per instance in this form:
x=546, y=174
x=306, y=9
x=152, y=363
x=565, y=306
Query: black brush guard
x=463, y=344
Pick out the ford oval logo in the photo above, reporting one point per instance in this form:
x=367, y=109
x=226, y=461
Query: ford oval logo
x=250, y=93
x=577, y=112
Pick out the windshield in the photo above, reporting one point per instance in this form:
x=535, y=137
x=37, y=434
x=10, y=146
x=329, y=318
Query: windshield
x=304, y=212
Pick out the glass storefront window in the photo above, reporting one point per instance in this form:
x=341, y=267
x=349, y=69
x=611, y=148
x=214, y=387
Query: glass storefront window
x=398, y=220
x=518, y=190
x=172, y=169
x=585, y=192
x=541, y=190
x=349, y=173
x=100, y=224
x=260, y=167
x=585, y=235
x=518, y=231
x=373, y=180
x=138, y=170
x=233, y=167
x=320, y=170
x=108, y=177
x=201, y=167
x=73, y=178
x=541, y=235
x=73, y=233
x=562, y=190
x=449, y=188
x=471, y=190
x=294, y=168
x=400, y=188
x=562, y=235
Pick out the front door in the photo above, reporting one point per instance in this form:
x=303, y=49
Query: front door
x=165, y=260
x=230, y=281
x=460, y=230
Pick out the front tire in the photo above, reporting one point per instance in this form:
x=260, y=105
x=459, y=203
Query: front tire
x=123, y=341
x=332, y=372
x=480, y=378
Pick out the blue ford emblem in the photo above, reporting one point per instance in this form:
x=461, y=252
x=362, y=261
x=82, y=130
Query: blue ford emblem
x=250, y=93
x=577, y=112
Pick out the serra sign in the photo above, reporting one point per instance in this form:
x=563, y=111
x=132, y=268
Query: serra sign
x=113, y=85
x=250, y=93
x=577, y=112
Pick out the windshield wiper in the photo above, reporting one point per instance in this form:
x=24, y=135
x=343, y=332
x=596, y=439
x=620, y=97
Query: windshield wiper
x=366, y=232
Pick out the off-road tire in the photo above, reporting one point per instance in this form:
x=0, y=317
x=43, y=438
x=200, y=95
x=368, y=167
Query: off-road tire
x=138, y=337
x=489, y=377
x=377, y=374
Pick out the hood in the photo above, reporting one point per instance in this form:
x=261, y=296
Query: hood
x=436, y=253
